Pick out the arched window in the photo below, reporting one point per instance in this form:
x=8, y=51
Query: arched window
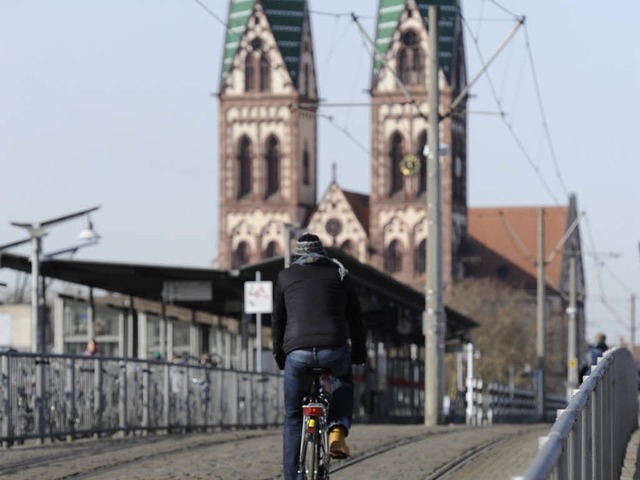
x=410, y=69
x=395, y=157
x=306, y=79
x=393, y=257
x=403, y=66
x=249, y=73
x=272, y=160
x=265, y=73
x=422, y=142
x=241, y=255
x=244, y=166
x=272, y=250
x=420, y=258
x=306, y=166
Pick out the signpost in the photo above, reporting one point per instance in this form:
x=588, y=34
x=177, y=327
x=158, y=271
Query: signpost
x=258, y=299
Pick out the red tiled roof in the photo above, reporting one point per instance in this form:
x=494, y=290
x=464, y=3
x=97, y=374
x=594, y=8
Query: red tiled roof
x=360, y=205
x=506, y=241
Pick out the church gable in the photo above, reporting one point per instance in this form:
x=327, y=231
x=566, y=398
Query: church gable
x=337, y=223
x=272, y=32
x=393, y=13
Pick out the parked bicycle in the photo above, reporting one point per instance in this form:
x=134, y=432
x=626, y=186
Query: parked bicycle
x=314, y=445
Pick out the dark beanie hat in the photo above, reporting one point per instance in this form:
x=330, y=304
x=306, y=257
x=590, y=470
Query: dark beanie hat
x=309, y=243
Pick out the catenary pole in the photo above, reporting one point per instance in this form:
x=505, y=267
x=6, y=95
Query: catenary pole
x=541, y=321
x=433, y=320
x=572, y=332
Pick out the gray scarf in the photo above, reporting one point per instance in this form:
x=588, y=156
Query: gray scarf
x=314, y=257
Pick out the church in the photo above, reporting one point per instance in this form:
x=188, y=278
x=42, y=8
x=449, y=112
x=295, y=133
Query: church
x=268, y=141
x=268, y=159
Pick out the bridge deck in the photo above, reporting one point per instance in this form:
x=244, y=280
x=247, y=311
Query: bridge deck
x=379, y=451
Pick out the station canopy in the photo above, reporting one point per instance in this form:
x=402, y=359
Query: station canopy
x=390, y=307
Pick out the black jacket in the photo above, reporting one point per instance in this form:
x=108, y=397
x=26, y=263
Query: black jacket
x=314, y=307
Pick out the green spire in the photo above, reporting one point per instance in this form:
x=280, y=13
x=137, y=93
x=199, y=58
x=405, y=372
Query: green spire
x=389, y=12
x=285, y=17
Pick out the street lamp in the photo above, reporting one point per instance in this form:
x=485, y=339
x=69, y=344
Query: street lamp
x=36, y=231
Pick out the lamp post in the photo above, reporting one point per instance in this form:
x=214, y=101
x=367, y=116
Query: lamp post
x=36, y=231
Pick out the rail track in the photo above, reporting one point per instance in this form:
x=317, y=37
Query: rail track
x=384, y=451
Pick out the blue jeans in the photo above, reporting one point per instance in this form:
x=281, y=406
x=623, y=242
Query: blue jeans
x=297, y=384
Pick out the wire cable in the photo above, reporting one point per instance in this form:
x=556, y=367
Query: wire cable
x=509, y=124
x=348, y=134
x=545, y=124
x=211, y=12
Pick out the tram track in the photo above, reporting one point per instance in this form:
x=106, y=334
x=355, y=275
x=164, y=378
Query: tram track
x=439, y=458
x=136, y=450
x=391, y=452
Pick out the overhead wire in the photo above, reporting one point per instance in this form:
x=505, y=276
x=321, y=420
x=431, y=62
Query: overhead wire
x=509, y=124
x=211, y=12
x=348, y=134
x=545, y=124
x=599, y=265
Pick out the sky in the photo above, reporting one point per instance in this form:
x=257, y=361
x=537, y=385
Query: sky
x=112, y=103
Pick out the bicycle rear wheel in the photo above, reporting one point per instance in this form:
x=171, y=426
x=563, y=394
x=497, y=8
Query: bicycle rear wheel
x=310, y=460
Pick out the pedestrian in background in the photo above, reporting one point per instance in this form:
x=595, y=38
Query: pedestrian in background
x=316, y=310
x=92, y=349
x=594, y=351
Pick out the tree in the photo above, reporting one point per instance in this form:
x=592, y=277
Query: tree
x=506, y=335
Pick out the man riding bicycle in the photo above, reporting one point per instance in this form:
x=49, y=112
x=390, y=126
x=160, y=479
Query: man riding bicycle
x=316, y=310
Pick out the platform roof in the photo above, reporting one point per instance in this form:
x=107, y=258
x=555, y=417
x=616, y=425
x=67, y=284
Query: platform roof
x=388, y=305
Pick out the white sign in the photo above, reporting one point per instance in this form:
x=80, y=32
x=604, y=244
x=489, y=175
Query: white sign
x=258, y=297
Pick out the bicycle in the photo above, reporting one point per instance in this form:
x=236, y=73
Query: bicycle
x=314, y=445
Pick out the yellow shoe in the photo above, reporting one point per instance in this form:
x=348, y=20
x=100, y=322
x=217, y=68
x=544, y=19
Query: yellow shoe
x=337, y=445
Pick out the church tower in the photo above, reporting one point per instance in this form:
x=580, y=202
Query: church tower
x=268, y=129
x=399, y=129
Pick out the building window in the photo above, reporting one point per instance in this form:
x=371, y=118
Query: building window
x=244, y=166
x=272, y=160
x=393, y=257
x=458, y=178
x=420, y=256
x=272, y=250
x=257, y=68
x=306, y=167
x=265, y=73
x=395, y=157
x=306, y=79
x=422, y=143
x=409, y=66
x=249, y=73
x=241, y=255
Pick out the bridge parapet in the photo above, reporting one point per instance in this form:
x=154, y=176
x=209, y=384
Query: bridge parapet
x=589, y=437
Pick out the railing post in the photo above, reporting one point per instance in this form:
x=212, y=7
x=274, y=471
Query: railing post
x=40, y=399
x=587, y=439
x=607, y=420
x=70, y=389
x=574, y=448
x=598, y=434
x=166, y=392
x=7, y=427
x=123, y=420
x=186, y=396
x=97, y=396
x=146, y=384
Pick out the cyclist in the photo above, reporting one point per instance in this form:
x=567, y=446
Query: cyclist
x=316, y=310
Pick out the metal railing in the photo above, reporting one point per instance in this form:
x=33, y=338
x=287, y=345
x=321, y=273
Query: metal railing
x=65, y=397
x=494, y=402
x=589, y=438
